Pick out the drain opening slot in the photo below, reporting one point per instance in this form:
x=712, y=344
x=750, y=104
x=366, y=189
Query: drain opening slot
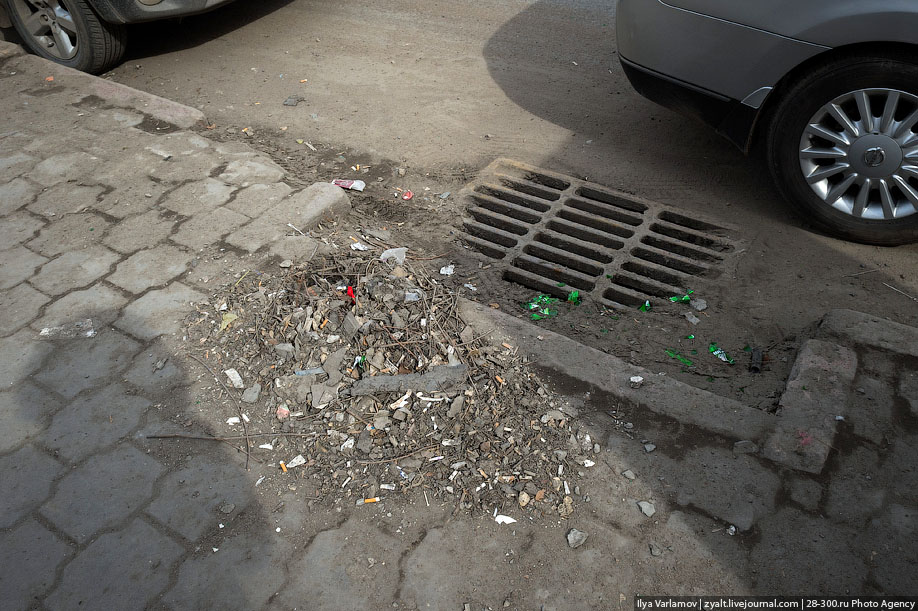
x=500, y=222
x=511, y=197
x=604, y=211
x=555, y=272
x=690, y=238
x=529, y=188
x=562, y=258
x=583, y=234
x=680, y=265
x=578, y=248
x=507, y=209
x=680, y=249
x=655, y=273
x=594, y=222
x=491, y=234
x=611, y=199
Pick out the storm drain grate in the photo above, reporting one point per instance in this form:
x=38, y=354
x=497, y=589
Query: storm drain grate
x=546, y=229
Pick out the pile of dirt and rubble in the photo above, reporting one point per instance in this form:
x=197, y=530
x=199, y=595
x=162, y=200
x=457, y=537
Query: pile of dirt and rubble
x=356, y=373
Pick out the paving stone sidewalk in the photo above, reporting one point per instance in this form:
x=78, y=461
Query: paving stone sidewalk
x=106, y=208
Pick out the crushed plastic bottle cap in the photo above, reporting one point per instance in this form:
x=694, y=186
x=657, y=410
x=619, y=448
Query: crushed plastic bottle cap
x=719, y=353
x=353, y=185
x=673, y=354
x=681, y=298
x=540, y=306
x=407, y=195
x=574, y=297
x=645, y=307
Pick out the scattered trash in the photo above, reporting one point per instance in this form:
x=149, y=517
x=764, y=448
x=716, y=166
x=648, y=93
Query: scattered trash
x=447, y=270
x=682, y=298
x=576, y=538
x=731, y=530
x=692, y=318
x=717, y=351
x=359, y=246
x=470, y=287
x=266, y=446
x=353, y=185
x=647, y=508
x=374, y=499
x=283, y=412
x=502, y=519
x=396, y=254
x=234, y=378
x=636, y=381
x=574, y=297
x=297, y=461
x=444, y=195
x=645, y=307
x=523, y=499
x=407, y=195
x=755, y=360
x=673, y=354
x=80, y=328
x=540, y=306
x=588, y=463
x=233, y=421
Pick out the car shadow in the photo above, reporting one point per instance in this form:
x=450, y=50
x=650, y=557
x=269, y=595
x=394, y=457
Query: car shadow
x=160, y=37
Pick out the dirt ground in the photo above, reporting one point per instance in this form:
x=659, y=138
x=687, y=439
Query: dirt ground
x=441, y=89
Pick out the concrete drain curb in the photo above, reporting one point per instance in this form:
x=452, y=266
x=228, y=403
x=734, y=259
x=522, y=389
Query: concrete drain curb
x=812, y=405
x=546, y=229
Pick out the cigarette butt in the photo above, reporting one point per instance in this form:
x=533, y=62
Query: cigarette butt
x=283, y=467
x=499, y=379
x=507, y=346
x=324, y=322
x=375, y=499
x=353, y=239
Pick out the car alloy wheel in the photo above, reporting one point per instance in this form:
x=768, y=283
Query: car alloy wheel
x=859, y=154
x=50, y=25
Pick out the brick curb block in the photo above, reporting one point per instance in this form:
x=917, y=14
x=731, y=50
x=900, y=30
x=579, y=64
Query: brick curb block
x=869, y=331
x=115, y=94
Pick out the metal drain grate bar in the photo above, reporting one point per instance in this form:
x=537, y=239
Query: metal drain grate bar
x=545, y=228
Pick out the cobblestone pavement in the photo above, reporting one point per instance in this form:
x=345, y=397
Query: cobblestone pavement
x=112, y=210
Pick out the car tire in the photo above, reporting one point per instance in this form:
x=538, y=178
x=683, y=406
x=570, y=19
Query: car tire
x=837, y=163
x=68, y=32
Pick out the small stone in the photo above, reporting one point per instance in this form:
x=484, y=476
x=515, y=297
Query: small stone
x=699, y=304
x=402, y=172
x=282, y=412
x=251, y=393
x=234, y=378
x=227, y=508
x=692, y=318
x=286, y=263
x=566, y=507
x=285, y=350
x=649, y=447
x=576, y=538
x=629, y=474
x=636, y=381
x=524, y=499
x=647, y=508
x=745, y=447
x=655, y=550
x=456, y=406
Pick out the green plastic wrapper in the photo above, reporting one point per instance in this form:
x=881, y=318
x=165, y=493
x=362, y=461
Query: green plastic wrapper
x=673, y=354
x=574, y=297
x=540, y=306
x=681, y=298
x=645, y=307
x=719, y=353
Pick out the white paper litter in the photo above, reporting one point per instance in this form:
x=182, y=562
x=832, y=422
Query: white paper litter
x=359, y=246
x=502, y=519
x=297, y=461
x=397, y=254
x=234, y=378
x=447, y=270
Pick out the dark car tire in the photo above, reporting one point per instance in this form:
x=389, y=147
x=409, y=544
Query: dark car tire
x=99, y=45
x=786, y=127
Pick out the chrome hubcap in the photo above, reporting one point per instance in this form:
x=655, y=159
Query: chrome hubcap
x=50, y=24
x=859, y=154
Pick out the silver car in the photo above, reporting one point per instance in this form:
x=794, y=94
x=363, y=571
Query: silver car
x=825, y=90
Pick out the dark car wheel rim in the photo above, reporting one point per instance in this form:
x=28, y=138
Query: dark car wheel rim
x=50, y=25
x=859, y=154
